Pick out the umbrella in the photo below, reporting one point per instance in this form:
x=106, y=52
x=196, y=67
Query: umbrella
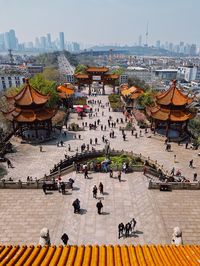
x=79, y=110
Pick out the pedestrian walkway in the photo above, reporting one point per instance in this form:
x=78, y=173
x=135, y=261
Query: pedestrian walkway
x=28, y=161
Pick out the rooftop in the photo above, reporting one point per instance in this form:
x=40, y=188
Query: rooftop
x=100, y=255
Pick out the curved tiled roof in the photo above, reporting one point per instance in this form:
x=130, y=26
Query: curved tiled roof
x=165, y=114
x=97, y=69
x=65, y=89
x=29, y=115
x=28, y=96
x=100, y=255
x=133, y=92
x=173, y=96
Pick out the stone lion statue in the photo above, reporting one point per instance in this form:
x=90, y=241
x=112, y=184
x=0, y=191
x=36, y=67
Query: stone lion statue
x=177, y=236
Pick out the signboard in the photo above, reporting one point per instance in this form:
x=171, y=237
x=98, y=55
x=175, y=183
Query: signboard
x=96, y=78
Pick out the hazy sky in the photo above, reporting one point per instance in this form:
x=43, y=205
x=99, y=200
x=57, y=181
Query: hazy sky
x=103, y=21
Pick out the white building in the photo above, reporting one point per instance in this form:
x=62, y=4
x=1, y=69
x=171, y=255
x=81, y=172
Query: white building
x=10, y=80
x=165, y=74
x=139, y=72
x=188, y=73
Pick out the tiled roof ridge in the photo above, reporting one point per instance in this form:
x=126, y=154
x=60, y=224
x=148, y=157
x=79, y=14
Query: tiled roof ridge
x=100, y=255
x=28, y=89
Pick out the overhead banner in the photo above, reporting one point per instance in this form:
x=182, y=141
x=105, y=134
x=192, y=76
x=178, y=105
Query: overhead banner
x=96, y=78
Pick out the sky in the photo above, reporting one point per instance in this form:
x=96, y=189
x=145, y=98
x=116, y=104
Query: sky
x=103, y=21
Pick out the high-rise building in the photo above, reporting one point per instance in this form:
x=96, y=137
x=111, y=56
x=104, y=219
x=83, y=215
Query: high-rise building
x=76, y=47
x=7, y=40
x=193, y=50
x=37, y=43
x=158, y=44
x=43, y=42
x=13, y=41
x=61, y=41
x=2, y=42
x=140, y=40
x=49, y=40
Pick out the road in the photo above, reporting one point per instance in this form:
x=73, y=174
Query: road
x=64, y=66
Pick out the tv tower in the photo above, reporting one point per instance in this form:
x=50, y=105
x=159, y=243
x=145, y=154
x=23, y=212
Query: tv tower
x=147, y=34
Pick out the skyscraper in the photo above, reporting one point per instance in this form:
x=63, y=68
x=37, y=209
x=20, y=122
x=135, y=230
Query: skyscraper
x=2, y=42
x=158, y=44
x=49, y=40
x=37, y=42
x=61, y=41
x=13, y=41
x=140, y=40
x=7, y=40
x=43, y=42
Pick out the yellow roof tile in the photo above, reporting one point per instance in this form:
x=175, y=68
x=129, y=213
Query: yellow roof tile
x=100, y=255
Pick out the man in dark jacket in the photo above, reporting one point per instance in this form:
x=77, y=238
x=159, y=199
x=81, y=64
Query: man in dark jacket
x=121, y=230
x=99, y=207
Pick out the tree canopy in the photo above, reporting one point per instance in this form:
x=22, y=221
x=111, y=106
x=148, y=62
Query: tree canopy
x=46, y=87
x=80, y=69
x=118, y=71
x=134, y=81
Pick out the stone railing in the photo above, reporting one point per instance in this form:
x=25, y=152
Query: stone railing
x=175, y=185
x=67, y=165
x=37, y=184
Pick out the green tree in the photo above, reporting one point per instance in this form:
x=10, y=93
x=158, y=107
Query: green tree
x=118, y=71
x=46, y=87
x=80, y=69
x=146, y=99
x=51, y=73
x=134, y=81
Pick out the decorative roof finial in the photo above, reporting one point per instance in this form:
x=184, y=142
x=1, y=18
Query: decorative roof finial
x=174, y=82
x=27, y=81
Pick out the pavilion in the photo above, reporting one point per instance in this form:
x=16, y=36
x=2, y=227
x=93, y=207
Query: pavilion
x=131, y=95
x=96, y=74
x=29, y=113
x=171, y=111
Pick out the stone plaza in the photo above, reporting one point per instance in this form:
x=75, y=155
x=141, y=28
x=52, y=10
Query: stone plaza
x=24, y=212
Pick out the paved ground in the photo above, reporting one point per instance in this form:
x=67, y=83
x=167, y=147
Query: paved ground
x=30, y=161
x=24, y=212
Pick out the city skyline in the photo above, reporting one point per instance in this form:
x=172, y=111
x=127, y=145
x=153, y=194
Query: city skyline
x=106, y=21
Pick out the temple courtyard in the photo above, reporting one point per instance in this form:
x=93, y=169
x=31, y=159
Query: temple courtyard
x=24, y=212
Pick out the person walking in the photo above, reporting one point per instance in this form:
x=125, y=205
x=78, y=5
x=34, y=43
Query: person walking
x=86, y=173
x=186, y=145
x=195, y=177
x=69, y=147
x=127, y=229
x=62, y=188
x=120, y=230
x=94, y=191
x=96, y=141
x=40, y=148
x=191, y=163
x=173, y=171
x=76, y=205
x=99, y=206
x=65, y=239
x=111, y=172
x=101, y=188
x=9, y=163
x=119, y=176
x=44, y=188
x=133, y=224
x=90, y=141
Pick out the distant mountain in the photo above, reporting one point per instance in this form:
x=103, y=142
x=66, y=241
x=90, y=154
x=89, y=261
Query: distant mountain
x=134, y=50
